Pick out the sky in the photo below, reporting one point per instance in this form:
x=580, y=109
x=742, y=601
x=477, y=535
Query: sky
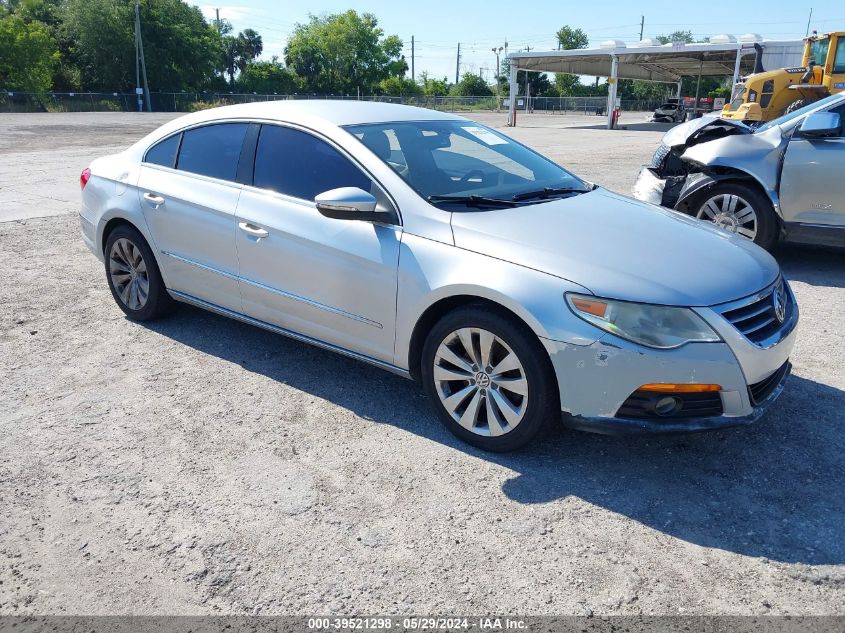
x=438, y=25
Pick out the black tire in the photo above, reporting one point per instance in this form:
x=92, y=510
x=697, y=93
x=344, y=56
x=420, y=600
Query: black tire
x=542, y=389
x=768, y=227
x=795, y=105
x=158, y=302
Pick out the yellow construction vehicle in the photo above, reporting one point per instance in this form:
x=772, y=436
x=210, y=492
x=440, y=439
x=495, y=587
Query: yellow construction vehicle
x=766, y=95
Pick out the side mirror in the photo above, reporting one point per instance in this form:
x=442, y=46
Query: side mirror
x=347, y=203
x=821, y=124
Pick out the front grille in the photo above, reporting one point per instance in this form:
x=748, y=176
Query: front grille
x=763, y=316
x=641, y=404
x=759, y=391
x=658, y=156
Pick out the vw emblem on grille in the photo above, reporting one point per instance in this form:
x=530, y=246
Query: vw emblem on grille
x=779, y=302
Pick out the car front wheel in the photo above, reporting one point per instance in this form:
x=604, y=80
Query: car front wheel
x=489, y=379
x=740, y=209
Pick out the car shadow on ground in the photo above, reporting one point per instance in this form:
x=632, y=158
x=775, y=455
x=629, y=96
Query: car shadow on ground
x=630, y=126
x=814, y=265
x=770, y=490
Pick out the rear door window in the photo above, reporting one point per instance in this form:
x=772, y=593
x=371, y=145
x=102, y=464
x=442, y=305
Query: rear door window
x=213, y=150
x=164, y=152
x=301, y=165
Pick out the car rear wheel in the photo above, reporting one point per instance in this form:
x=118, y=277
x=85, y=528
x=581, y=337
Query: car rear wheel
x=133, y=275
x=489, y=379
x=740, y=209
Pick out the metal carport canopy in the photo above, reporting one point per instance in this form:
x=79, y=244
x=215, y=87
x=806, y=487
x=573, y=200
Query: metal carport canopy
x=668, y=63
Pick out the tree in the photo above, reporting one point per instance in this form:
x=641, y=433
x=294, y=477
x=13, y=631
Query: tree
x=181, y=48
x=27, y=55
x=342, y=53
x=266, y=77
x=471, y=85
x=434, y=87
x=569, y=38
x=399, y=87
x=239, y=50
x=677, y=36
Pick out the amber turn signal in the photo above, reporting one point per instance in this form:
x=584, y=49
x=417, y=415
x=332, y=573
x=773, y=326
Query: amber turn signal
x=673, y=388
x=590, y=306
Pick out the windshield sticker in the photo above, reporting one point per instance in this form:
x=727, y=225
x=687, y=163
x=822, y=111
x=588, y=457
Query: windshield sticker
x=484, y=135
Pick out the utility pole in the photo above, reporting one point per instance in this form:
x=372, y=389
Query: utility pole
x=139, y=54
x=217, y=21
x=807, y=33
x=642, y=26
x=412, y=59
x=496, y=52
x=458, y=65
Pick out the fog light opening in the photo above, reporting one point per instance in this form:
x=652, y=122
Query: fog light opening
x=667, y=405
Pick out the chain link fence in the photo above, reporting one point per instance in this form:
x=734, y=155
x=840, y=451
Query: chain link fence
x=11, y=101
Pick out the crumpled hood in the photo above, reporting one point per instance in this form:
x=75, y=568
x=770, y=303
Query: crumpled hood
x=681, y=134
x=620, y=248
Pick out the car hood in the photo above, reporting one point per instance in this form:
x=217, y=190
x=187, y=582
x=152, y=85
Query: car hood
x=620, y=248
x=704, y=128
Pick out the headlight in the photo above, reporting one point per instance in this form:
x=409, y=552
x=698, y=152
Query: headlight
x=650, y=325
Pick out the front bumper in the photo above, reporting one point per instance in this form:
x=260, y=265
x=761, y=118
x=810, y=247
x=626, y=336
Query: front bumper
x=596, y=380
x=648, y=187
x=622, y=425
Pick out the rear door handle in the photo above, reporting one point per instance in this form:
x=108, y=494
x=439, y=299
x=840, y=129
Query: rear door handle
x=251, y=229
x=153, y=199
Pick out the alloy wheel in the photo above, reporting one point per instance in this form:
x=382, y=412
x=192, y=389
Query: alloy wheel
x=128, y=273
x=480, y=382
x=730, y=213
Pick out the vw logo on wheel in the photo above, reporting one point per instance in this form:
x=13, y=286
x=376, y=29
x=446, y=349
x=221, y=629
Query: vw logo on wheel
x=482, y=380
x=779, y=303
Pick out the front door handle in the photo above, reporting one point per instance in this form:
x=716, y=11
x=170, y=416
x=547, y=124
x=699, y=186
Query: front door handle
x=251, y=229
x=153, y=199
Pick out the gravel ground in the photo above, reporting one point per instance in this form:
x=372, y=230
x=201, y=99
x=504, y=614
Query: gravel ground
x=197, y=465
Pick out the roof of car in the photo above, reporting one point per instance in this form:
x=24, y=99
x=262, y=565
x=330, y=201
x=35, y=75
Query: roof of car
x=335, y=111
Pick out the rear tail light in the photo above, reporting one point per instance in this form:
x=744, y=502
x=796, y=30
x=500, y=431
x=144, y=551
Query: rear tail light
x=84, y=177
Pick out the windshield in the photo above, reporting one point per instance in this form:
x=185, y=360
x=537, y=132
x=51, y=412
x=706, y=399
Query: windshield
x=786, y=118
x=461, y=159
x=668, y=106
x=818, y=51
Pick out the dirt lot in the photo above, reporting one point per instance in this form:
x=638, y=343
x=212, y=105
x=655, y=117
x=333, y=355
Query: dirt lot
x=197, y=465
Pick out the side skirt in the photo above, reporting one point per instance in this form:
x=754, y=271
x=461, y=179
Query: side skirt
x=199, y=303
x=816, y=234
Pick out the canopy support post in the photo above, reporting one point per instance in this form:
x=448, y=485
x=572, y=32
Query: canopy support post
x=680, y=88
x=736, y=68
x=697, y=88
x=512, y=90
x=611, y=93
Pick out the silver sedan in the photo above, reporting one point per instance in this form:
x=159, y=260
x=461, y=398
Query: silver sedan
x=442, y=250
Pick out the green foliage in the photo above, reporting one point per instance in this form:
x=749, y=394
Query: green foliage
x=677, y=36
x=569, y=38
x=181, y=49
x=266, y=77
x=399, y=87
x=27, y=55
x=434, y=87
x=470, y=85
x=239, y=51
x=344, y=52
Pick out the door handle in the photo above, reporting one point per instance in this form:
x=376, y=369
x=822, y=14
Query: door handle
x=251, y=229
x=154, y=200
